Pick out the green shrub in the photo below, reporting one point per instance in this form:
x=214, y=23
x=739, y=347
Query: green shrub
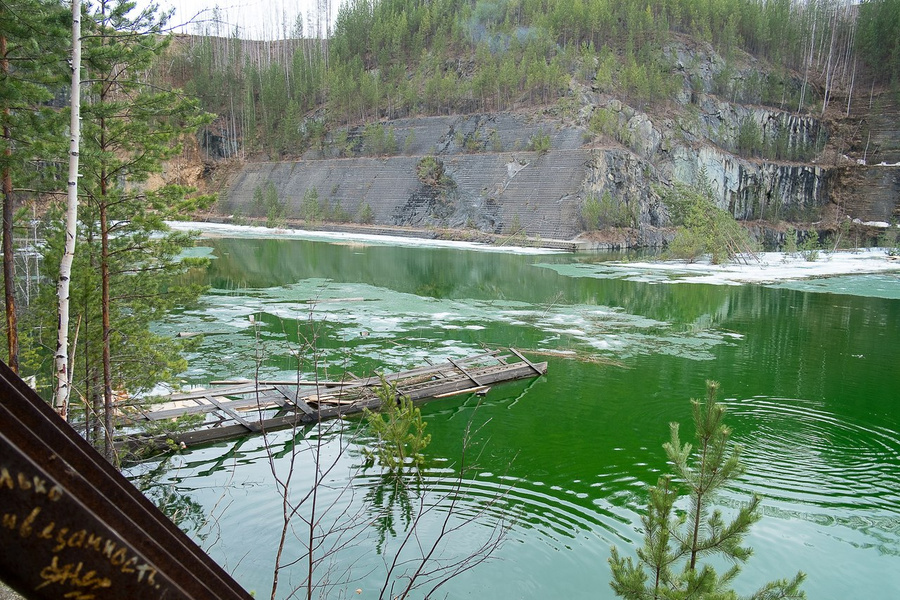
x=366, y=214
x=605, y=122
x=310, y=209
x=590, y=213
x=338, y=213
x=750, y=138
x=890, y=239
x=340, y=141
x=390, y=142
x=539, y=142
x=496, y=142
x=703, y=227
x=515, y=228
x=375, y=139
x=790, y=242
x=430, y=171
x=409, y=142
x=606, y=212
x=266, y=201
x=473, y=144
x=810, y=246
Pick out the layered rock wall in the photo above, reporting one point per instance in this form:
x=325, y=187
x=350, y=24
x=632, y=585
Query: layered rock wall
x=531, y=173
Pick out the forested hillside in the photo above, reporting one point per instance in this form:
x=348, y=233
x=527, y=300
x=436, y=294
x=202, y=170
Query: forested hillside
x=538, y=118
x=389, y=59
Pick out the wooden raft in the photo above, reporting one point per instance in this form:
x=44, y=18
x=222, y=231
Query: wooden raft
x=237, y=408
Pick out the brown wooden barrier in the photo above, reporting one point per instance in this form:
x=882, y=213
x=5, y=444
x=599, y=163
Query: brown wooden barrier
x=71, y=526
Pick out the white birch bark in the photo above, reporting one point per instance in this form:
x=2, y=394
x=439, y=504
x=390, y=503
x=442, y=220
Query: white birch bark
x=63, y=379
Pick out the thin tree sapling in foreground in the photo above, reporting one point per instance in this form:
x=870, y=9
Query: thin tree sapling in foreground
x=670, y=563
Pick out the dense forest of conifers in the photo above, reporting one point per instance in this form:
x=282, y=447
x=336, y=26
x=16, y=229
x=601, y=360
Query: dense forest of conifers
x=395, y=58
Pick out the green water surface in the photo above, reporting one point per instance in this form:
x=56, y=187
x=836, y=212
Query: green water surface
x=808, y=372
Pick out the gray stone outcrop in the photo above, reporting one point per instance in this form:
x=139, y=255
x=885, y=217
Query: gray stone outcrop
x=500, y=176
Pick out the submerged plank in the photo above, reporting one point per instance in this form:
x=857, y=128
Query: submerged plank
x=317, y=403
x=525, y=360
x=232, y=413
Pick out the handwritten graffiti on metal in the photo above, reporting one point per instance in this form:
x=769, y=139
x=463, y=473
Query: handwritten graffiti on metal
x=63, y=554
x=71, y=526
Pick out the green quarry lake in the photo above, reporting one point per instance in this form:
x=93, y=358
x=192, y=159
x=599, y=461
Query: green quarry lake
x=808, y=371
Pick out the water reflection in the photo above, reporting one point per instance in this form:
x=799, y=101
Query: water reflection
x=389, y=497
x=810, y=380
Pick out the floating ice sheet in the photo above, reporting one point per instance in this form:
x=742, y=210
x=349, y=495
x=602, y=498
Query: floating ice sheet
x=245, y=231
x=768, y=267
x=360, y=325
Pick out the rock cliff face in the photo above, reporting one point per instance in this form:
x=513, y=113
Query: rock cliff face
x=531, y=172
x=497, y=192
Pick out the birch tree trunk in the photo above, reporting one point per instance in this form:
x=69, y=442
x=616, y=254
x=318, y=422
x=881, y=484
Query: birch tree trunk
x=61, y=400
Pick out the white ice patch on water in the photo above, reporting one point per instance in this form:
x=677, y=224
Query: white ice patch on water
x=768, y=267
x=246, y=231
x=573, y=332
x=395, y=330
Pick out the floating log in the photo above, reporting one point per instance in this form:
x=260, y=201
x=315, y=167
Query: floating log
x=290, y=403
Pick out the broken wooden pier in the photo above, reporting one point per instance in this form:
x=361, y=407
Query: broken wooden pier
x=238, y=408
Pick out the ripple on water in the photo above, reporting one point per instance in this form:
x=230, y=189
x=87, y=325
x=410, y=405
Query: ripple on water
x=533, y=512
x=808, y=462
x=806, y=459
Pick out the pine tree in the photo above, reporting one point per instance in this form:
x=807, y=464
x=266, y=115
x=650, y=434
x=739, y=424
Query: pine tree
x=32, y=38
x=399, y=431
x=126, y=259
x=672, y=538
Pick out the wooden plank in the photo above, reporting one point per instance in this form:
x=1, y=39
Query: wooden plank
x=233, y=414
x=474, y=390
x=516, y=371
x=356, y=382
x=509, y=373
x=293, y=397
x=464, y=372
x=528, y=362
x=264, y=401
x=247, y=388
x=274, y=382
x=428, y=369
x=353, y=397
x=282, y=399
x=238, y=388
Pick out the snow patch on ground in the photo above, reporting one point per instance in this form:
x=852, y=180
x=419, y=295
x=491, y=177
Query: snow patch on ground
x=246, y=231
x=767, y=267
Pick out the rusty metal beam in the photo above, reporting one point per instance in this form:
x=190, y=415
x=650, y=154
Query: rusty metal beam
x=72, y=526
